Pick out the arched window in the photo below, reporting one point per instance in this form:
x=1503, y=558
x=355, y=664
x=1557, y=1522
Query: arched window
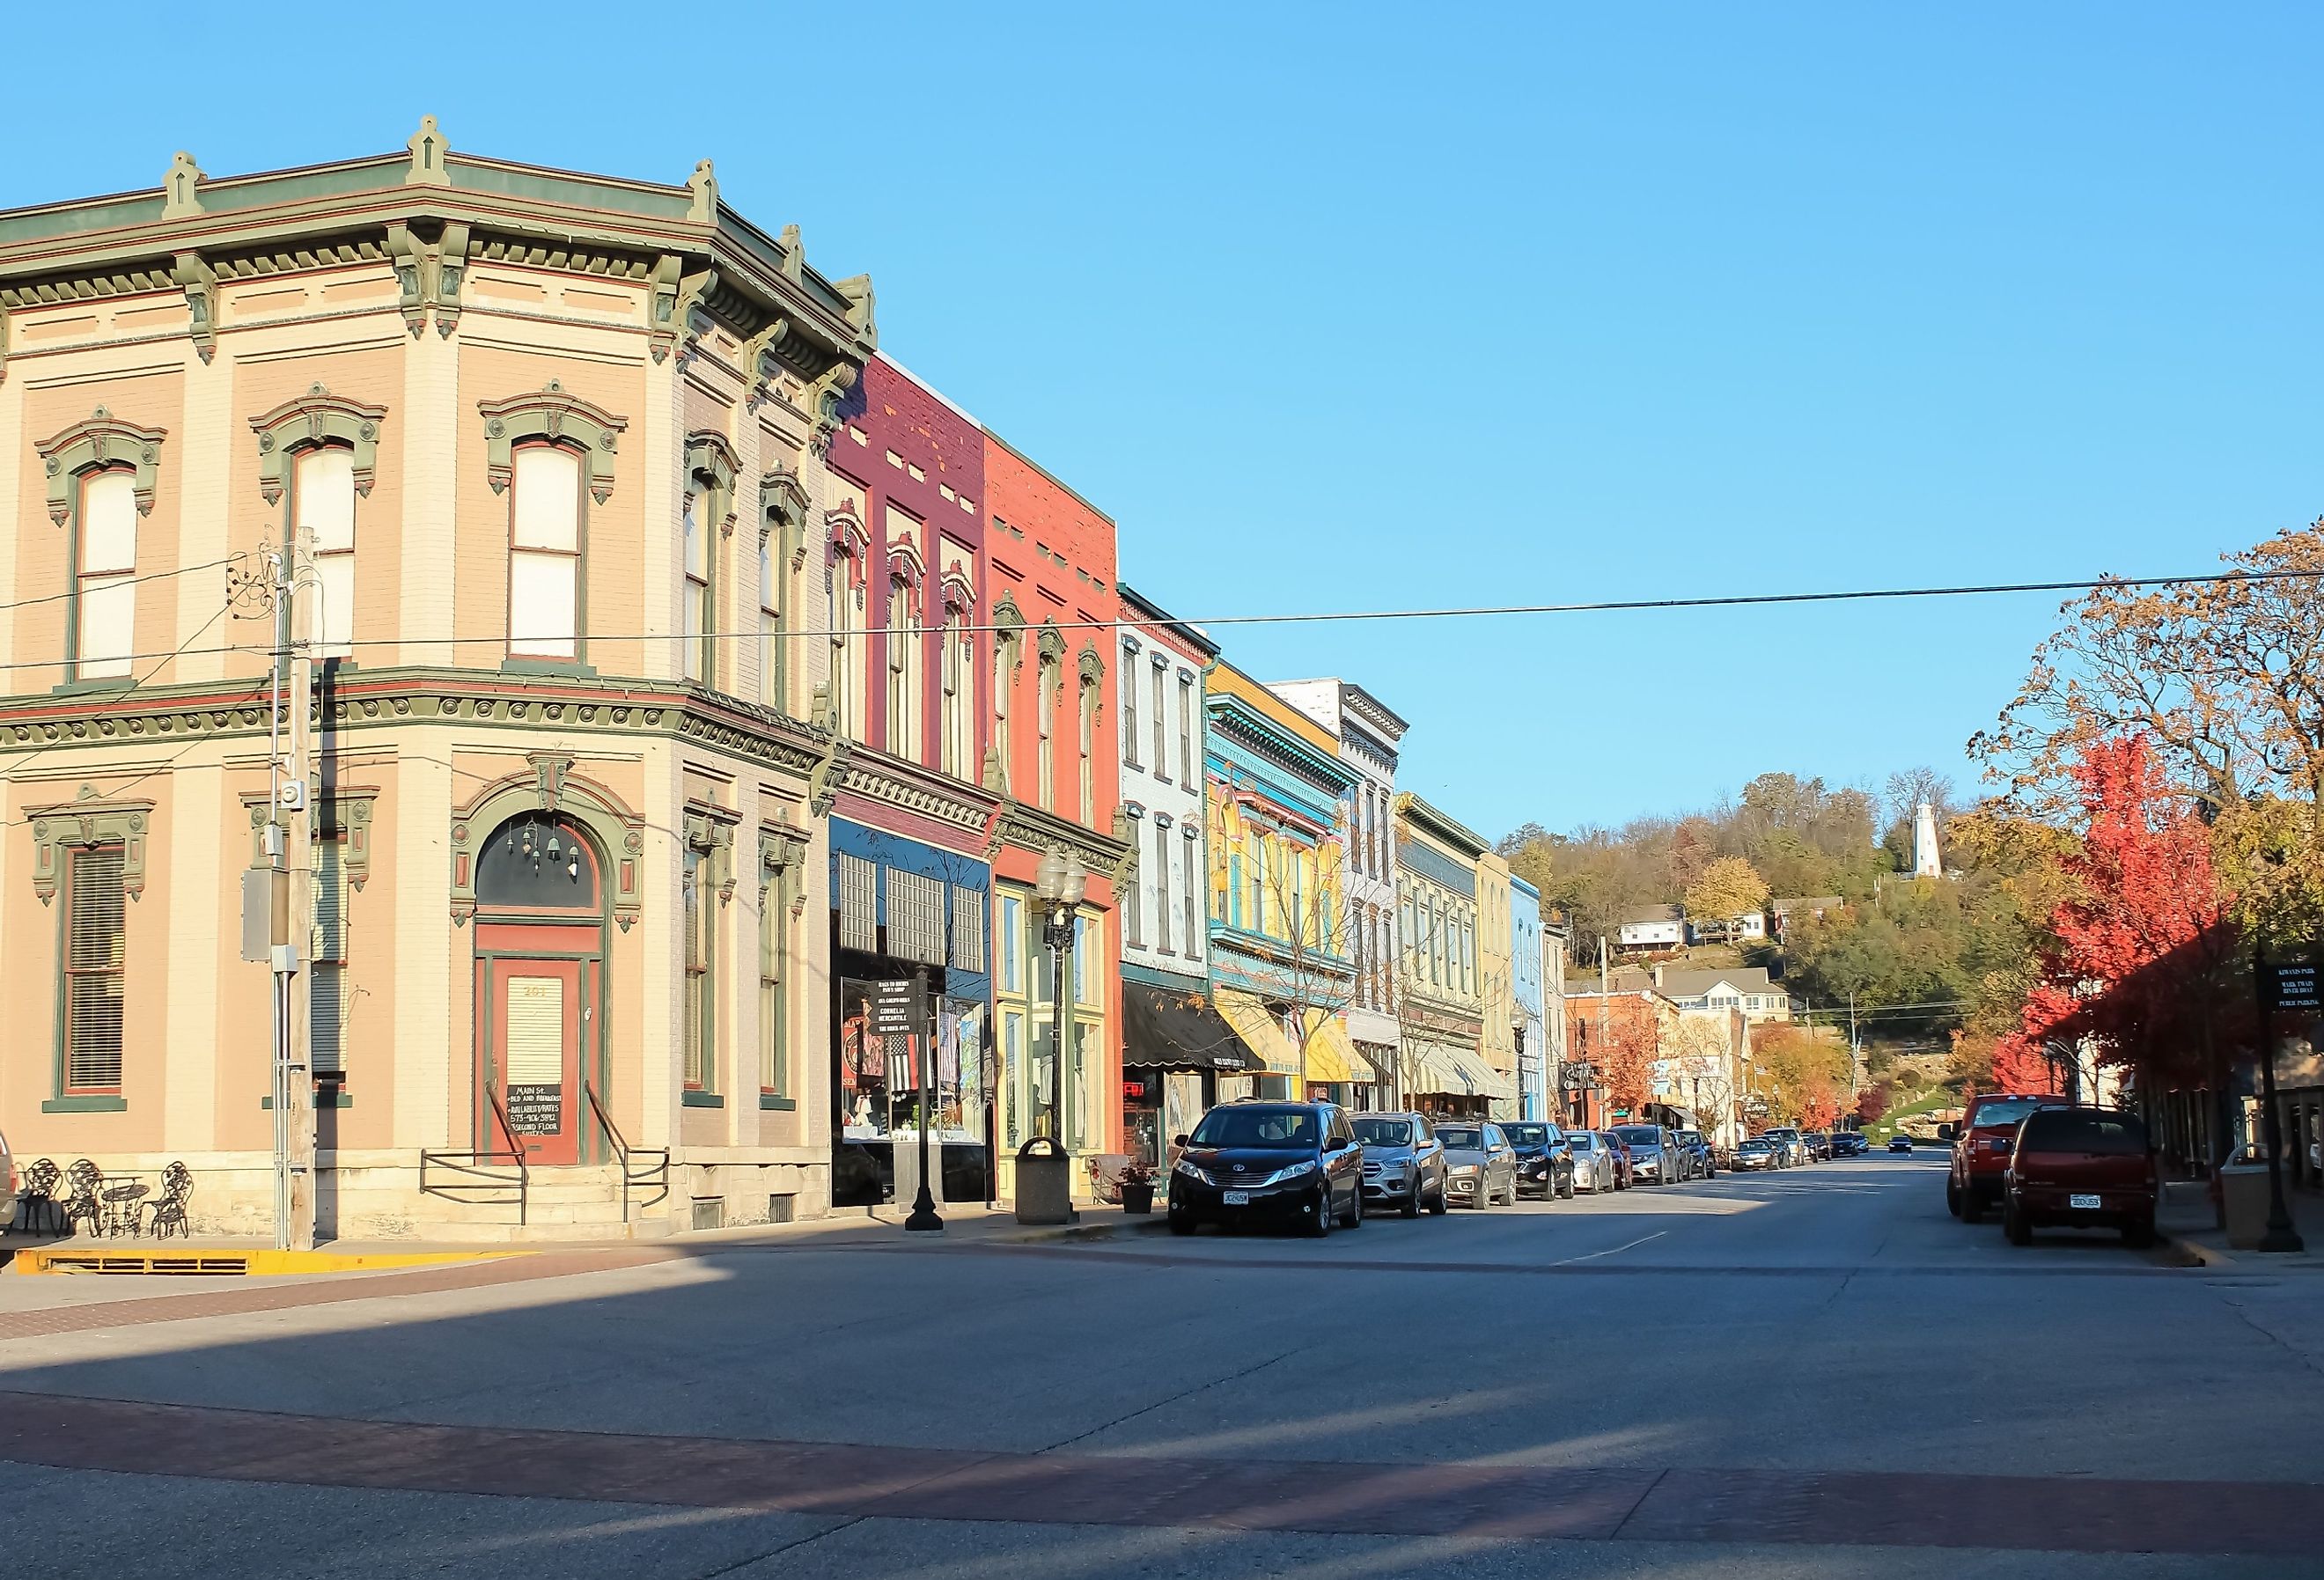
x=537, y=861
x=770, y=622
x=323, y=502
x=1092, y=674
x=101, y=479
x=906, y=658
x=957, y=735
x=547, y=532
x=105, y=568
x=846, y=639
x=694, y=595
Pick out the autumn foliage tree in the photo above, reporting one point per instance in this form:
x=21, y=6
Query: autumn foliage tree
x=1872, y=1103
x=2143, y=944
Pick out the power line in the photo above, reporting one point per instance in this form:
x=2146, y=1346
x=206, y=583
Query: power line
x=233, y=559
x=1739, y=600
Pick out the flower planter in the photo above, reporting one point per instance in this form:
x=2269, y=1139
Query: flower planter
x=1136, y=1198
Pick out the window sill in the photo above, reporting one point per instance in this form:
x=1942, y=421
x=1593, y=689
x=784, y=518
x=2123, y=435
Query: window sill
x=705, y=1100
x=572, y=668
x=778, y=1103
x=85, y=1104
x=95, y=683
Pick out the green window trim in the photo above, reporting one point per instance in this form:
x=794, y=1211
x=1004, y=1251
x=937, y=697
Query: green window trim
x=85, y=1104
x=703, y=1099
x=776, y=1102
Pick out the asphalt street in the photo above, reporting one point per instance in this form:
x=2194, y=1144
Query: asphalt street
x=1773, y=1374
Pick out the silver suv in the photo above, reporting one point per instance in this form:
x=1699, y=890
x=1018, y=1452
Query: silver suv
x=1403, y=1162
x=1655, y=1155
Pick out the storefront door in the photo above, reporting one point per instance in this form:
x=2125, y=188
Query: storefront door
x=530, y=1017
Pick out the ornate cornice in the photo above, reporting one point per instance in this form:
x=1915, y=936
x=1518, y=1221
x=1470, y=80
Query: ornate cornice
x=878, y=777
x=1029, y=827
x=383, y=699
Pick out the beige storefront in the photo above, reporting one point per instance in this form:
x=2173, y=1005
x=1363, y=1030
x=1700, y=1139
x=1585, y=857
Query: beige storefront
x=553, y=445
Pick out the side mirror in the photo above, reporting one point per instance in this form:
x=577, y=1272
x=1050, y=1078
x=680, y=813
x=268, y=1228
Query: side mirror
x=1948, y=1131
x=1178, y=1140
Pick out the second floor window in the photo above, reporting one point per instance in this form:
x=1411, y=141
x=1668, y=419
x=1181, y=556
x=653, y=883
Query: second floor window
x=1186, y=733
x=323, y=492
x=545, y=553
x=1161, y=725
x=105, y=564
x=847, y=675
x=700, y=996
x=957, y=739
x=1048, y=681
x=1089, y=751
x=1162, y=887
x=1129, y=714
x=770, y=623
x=694, y=595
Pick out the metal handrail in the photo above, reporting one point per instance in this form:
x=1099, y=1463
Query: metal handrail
x=657, y=1174
x=476, y=1165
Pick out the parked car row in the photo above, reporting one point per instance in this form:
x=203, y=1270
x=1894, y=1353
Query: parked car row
x=2044, y=1161
x=1314, y=1167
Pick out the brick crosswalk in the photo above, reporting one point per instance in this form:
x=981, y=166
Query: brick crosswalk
x=1448, y=1499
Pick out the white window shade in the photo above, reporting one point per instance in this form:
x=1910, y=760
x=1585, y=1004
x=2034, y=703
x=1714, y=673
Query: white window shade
x=326, y=495
x=541, y=604
x=108, y=530
x=547, y=486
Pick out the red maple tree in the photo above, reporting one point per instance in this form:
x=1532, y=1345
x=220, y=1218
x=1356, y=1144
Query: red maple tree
x=1871, y=1104
x=2143, y=948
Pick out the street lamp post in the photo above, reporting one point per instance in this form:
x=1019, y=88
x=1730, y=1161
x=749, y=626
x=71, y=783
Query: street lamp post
x=1059, y=883
x=1525, y=1092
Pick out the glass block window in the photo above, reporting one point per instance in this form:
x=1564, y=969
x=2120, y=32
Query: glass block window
x=968, y=928
x=915, y=917
x=859, y=904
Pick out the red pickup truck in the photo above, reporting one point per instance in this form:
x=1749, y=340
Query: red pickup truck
x=1982, y=1147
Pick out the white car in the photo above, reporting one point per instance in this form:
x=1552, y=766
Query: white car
x=1593, y=1162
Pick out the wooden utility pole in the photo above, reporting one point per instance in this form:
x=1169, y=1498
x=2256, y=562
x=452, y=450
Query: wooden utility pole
x=299, y=1085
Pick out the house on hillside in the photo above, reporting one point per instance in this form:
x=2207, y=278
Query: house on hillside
x=1747, y=927
x=1658, y=926
x=1746, y=989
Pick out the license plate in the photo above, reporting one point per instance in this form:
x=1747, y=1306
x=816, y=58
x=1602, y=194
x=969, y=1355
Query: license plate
x=2079, y=1200
x=1238, y=1198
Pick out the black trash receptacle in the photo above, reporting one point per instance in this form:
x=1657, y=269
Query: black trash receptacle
x=1045, y=1183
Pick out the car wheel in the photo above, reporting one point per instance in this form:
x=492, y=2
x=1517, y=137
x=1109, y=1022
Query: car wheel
x=1436, y=1203
x=1355, y=1219
x=1324, y=1214
x=2014, y=1225
x=1972, y=1206
x=1411, y=1208
x=1566, y=1190
x=1953, y=1197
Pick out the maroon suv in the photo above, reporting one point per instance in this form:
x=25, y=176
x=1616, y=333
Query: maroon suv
x=1981, y=1149
x=2082, y=1168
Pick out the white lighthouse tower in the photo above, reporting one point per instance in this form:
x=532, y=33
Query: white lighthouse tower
x=1926, y=861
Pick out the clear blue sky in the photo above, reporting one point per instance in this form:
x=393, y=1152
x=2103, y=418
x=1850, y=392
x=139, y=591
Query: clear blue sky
x=1339, y=307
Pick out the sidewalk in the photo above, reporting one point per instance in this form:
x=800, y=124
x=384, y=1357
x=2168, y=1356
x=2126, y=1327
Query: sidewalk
x=2186, y=1224
x=965, y=1222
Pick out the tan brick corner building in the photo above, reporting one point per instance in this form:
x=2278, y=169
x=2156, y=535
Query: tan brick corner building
x=556, y=442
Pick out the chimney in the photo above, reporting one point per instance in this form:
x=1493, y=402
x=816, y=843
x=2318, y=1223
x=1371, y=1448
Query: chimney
x=1658, y=974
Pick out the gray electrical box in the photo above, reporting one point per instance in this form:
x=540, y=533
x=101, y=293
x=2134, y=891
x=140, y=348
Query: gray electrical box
x=266, y=908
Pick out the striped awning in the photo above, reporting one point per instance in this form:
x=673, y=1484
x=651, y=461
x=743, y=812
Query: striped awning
x=1260, y=1033
x=1445, y=1071
x=1331, y=1055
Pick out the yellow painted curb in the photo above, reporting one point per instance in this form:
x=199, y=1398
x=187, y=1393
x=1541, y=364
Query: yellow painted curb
x=234, y=1261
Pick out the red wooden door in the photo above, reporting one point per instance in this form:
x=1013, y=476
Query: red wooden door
x=531, y=1022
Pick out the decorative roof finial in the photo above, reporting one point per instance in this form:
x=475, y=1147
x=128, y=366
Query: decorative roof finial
x=703, y=185
x=181, y=189
x=427, y=152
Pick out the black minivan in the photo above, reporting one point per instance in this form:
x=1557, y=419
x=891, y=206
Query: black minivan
x=1285, y=1165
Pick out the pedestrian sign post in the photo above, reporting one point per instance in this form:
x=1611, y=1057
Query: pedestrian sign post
x=2283, y=985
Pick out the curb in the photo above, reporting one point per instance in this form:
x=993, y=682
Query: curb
x=239, y=1262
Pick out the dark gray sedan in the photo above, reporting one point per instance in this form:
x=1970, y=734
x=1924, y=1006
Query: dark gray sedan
x=1655, y=1155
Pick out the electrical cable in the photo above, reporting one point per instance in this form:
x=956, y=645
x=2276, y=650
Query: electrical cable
x=1622, y=606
